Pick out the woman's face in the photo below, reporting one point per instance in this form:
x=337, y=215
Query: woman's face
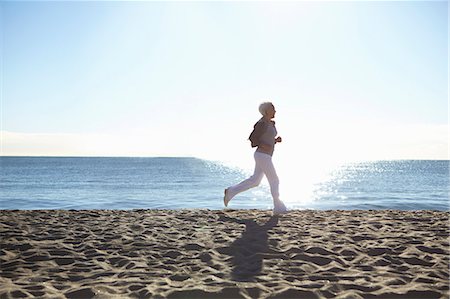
x=271, y=112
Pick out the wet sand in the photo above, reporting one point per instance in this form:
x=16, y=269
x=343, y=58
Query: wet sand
x=224, y=254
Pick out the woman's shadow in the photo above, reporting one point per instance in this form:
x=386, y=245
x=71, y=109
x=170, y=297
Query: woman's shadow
x=249, y=250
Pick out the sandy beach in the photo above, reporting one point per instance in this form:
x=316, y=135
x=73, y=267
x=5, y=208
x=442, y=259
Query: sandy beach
x=224, y=254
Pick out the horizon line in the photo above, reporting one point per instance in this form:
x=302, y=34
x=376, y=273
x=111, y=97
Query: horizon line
x=192, y=157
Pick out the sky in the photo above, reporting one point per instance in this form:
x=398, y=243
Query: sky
x=350, y=80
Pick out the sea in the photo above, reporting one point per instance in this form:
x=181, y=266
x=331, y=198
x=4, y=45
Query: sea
x=30, y=183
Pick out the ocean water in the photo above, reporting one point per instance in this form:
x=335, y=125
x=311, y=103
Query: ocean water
x=178, y=183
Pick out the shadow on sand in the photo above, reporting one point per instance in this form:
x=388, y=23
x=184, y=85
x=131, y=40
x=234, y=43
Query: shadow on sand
x=249, y=249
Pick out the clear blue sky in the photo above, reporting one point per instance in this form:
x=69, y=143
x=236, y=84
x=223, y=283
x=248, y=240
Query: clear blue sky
x=181, y=78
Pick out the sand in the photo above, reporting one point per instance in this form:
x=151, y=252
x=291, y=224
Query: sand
x=224, y=254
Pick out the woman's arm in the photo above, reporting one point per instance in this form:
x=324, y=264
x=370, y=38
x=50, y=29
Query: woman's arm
x=258, y=130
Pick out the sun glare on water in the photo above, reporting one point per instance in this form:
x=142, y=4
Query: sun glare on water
x=299, y=179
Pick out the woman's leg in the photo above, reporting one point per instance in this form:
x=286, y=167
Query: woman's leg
x=269, y=170
x=251, y=182
x=271, y=174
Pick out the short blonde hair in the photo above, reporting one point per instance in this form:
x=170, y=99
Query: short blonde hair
x=263, y=107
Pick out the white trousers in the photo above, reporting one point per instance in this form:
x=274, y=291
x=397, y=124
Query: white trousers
x=263, y=166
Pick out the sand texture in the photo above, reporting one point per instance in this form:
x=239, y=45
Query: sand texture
x=224, y=254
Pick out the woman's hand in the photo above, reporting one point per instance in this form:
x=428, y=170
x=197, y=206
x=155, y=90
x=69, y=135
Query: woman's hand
x=278, y=139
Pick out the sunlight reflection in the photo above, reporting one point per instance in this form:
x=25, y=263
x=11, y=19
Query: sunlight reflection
x=300, y=178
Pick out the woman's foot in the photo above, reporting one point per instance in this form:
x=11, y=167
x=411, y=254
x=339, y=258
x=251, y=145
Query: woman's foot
x=226, y=199
x=279, y=207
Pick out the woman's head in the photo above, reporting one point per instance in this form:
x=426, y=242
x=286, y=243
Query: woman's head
x=267, y=109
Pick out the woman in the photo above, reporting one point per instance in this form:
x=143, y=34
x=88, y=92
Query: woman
x=263, y=137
